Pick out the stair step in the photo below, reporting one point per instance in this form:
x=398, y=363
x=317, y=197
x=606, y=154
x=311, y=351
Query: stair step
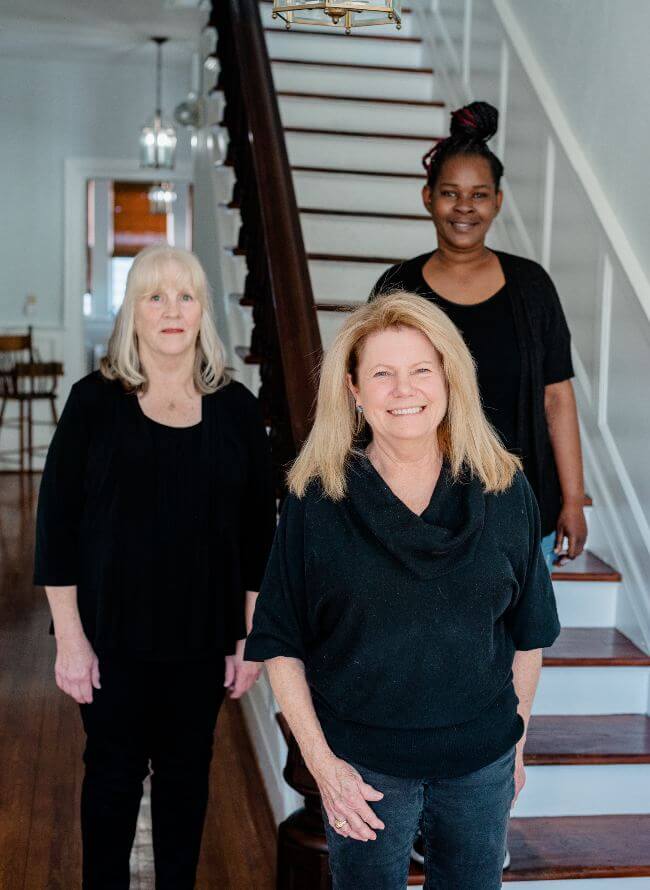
x=363, y=214
x=366, y=134
x=419, y=103
x=587, y=567
x=320, y=307
x=359, y=49
x=594, y=647
x=328, y=257
x=573, y=848
x=391, y=68
x=305, y=31
x=303, y=168
x=588, y=739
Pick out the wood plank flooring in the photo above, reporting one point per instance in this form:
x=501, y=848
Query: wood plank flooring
x=41, y=741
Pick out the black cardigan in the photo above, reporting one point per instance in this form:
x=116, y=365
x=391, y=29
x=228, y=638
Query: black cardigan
x=407, y=625
x=95, y=525
x=540, y=325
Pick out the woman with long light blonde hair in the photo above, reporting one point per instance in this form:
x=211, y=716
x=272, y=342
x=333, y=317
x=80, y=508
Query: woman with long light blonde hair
x=406, y=604
x=155, y=517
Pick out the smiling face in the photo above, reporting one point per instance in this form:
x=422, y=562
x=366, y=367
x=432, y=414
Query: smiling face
x=401, y=385
x=168, y=320
x=463, y=202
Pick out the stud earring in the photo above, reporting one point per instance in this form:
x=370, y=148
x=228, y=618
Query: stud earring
x=359, y=409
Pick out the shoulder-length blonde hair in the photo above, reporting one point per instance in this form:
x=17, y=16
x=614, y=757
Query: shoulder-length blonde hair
x=154, y=266
x=466, y=437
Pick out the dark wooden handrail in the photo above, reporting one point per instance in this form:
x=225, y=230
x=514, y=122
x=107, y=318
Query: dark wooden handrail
x=286, y=333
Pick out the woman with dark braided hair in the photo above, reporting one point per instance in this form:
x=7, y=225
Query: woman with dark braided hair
x=509, y=313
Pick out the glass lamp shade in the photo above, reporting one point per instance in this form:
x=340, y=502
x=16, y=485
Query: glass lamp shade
x=347, y=14
x=158, y=144
x=161, y=198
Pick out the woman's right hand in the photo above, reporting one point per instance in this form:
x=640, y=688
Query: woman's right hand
x=76, y=668
x=345, y=795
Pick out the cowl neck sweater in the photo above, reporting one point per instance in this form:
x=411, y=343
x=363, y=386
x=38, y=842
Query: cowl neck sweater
x=407, y=625
x=442, y=538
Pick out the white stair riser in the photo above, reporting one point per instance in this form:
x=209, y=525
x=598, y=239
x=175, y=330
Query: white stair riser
x=340, y=191
x=371, y=117
x=366, y=237
x=357, y=152
x=341, y=282
x=346, y=50
x=586, y=603
x=408, y=29
x=353, y=81
x=585, y=790
x=592, y=690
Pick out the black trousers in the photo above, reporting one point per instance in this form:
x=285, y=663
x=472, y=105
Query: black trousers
x=157, y=717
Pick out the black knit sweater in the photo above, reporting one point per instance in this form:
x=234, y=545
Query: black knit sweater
x=408, y=624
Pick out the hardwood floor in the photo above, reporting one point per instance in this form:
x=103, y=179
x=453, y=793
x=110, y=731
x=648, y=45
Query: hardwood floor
x=41, y=741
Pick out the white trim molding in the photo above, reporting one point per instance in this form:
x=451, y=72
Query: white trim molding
x=77, y=172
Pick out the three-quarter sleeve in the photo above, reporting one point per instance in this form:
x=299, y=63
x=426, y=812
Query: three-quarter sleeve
x=61, y=499
x=558, y=365
x=280, y=624
x=532, y=619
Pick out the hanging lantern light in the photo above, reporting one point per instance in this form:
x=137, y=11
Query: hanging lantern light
x=347, y=14
x=158, y=137
x=161, y=198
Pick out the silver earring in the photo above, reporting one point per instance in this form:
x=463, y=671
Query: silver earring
x=360, y=409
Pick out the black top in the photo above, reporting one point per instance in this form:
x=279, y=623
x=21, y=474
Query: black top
x=521, y=343
x=407, y=625
x=146, y=545
x=176, y=518
x=488, y=328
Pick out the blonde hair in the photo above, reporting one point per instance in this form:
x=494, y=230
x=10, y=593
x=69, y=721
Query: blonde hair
x=152, y=268
x=466, y=438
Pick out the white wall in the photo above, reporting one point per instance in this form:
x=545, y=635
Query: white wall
x=49, y=111
x=595, y=56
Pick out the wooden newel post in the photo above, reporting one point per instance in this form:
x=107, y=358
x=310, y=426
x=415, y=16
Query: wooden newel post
x=302, y=847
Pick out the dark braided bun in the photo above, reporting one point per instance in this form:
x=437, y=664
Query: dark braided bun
x=471, y=128
x=477, y=121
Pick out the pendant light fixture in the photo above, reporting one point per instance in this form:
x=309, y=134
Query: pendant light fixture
x=346, y=14
x=161, y=198
x=158, y=137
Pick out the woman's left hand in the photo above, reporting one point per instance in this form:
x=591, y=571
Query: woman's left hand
x=520, y=774
x=240, y=674
x=571, y=524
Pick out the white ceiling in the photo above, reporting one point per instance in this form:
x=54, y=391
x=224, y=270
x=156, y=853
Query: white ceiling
x=117, y=29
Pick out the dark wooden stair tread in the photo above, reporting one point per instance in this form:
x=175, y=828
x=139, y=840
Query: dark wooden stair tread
x=594, y=647
x=320, y=307
x=366, y=134
x=397, y=69
x=328, y=211
x=329, y=257
x=587, y=567
x=425, y=103
x=573, y=847
x=302, y=168
x=580, y=739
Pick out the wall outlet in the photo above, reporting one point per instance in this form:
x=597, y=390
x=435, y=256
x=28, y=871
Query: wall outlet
x=29, y=306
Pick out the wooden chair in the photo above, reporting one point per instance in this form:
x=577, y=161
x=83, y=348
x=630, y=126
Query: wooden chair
x=25, y=379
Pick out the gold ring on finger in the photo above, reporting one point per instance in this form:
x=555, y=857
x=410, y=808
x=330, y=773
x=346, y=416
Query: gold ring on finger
x=339, y=823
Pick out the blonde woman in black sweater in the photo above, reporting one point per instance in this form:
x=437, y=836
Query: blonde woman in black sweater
x=405, y=606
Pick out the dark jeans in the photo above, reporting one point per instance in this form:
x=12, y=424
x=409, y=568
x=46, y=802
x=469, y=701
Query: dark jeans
x=463, y=821
x=148, y=714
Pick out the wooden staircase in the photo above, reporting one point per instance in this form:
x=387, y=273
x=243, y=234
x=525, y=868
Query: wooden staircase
x=357, y=114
